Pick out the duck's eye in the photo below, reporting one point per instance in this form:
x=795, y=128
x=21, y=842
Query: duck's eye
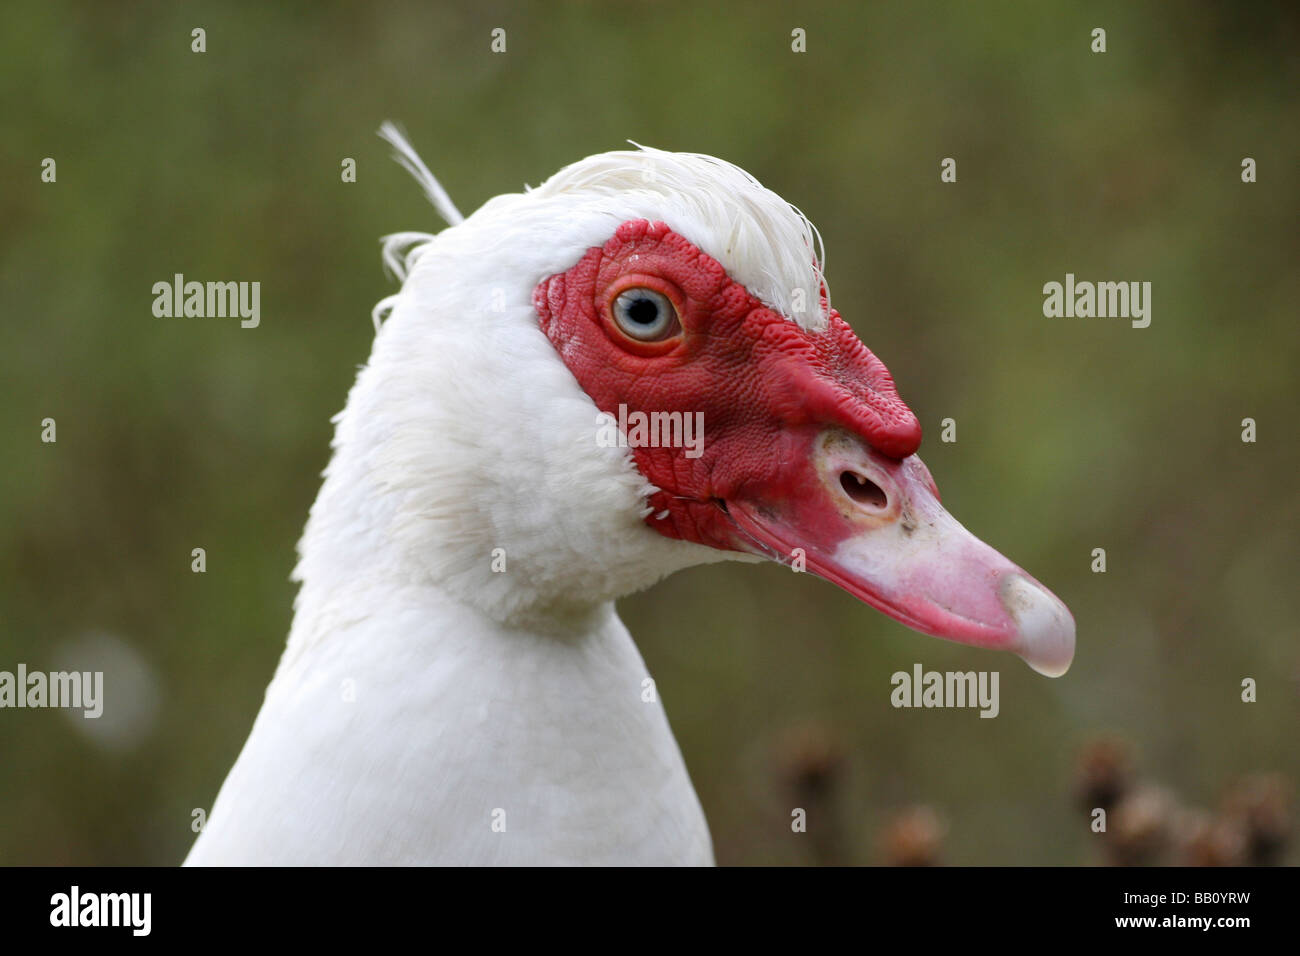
x=645, y=315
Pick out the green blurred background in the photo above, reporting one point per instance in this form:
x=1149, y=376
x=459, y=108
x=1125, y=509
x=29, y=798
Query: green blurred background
x=1072, y=434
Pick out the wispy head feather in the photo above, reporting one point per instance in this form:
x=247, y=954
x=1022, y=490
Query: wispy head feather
x=411, y=162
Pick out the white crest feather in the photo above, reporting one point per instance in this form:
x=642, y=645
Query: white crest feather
x=410, y=160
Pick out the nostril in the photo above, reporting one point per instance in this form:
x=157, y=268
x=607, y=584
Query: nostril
x=863, y=490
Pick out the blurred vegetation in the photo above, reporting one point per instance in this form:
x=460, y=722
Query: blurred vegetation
x=1072, y=434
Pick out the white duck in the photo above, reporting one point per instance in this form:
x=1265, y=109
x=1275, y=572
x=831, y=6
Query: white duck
x=457, y=687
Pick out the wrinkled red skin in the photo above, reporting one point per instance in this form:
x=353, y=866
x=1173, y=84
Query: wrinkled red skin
x=766, y=387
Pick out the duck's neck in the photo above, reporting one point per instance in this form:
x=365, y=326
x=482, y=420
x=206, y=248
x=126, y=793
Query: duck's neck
x=405, y=727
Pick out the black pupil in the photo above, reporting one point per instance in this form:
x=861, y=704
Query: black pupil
x=643, y=311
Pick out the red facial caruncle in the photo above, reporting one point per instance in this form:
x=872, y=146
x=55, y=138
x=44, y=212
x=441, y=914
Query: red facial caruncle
x=808, y=451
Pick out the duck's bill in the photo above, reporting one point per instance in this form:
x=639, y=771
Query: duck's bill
x=874, y=527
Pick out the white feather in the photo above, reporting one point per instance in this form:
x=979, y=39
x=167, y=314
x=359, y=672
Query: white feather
x=413, y=164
